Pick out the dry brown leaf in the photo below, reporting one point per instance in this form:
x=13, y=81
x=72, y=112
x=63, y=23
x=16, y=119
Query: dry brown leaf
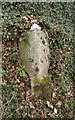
x=59, y=103
x=33, y=21
x=49, y=105
x=24, y=17
x=55, y=111
x=31, y=106
x=21, y=107
x=54, y=95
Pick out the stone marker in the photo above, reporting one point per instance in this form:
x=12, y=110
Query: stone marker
x=34, y=53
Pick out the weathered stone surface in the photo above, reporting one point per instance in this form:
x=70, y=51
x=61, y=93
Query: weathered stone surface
x=34, y=52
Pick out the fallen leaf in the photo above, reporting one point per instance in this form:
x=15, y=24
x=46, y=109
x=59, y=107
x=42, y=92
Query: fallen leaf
x=53, y=95
x=55, y=111
x=33, y=21
x=31, y=106
x=21, y=107
x=59, y=103
x=24, y=17
x=49, y=105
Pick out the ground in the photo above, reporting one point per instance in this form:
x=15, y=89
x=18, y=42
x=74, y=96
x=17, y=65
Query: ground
x=18, y=101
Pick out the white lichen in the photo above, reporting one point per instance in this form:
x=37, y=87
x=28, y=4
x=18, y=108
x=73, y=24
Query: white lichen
x=35, y=27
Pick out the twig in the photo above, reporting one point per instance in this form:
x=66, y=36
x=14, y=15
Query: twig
x=13, y=112
x=8, y=102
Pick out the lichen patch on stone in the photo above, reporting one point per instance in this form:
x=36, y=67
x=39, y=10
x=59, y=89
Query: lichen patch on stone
x=37, y=69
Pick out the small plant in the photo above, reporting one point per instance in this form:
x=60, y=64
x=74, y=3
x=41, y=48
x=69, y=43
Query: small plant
x=14, y=59
x=59, y=116
x=72, y=104
x=20, y=72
